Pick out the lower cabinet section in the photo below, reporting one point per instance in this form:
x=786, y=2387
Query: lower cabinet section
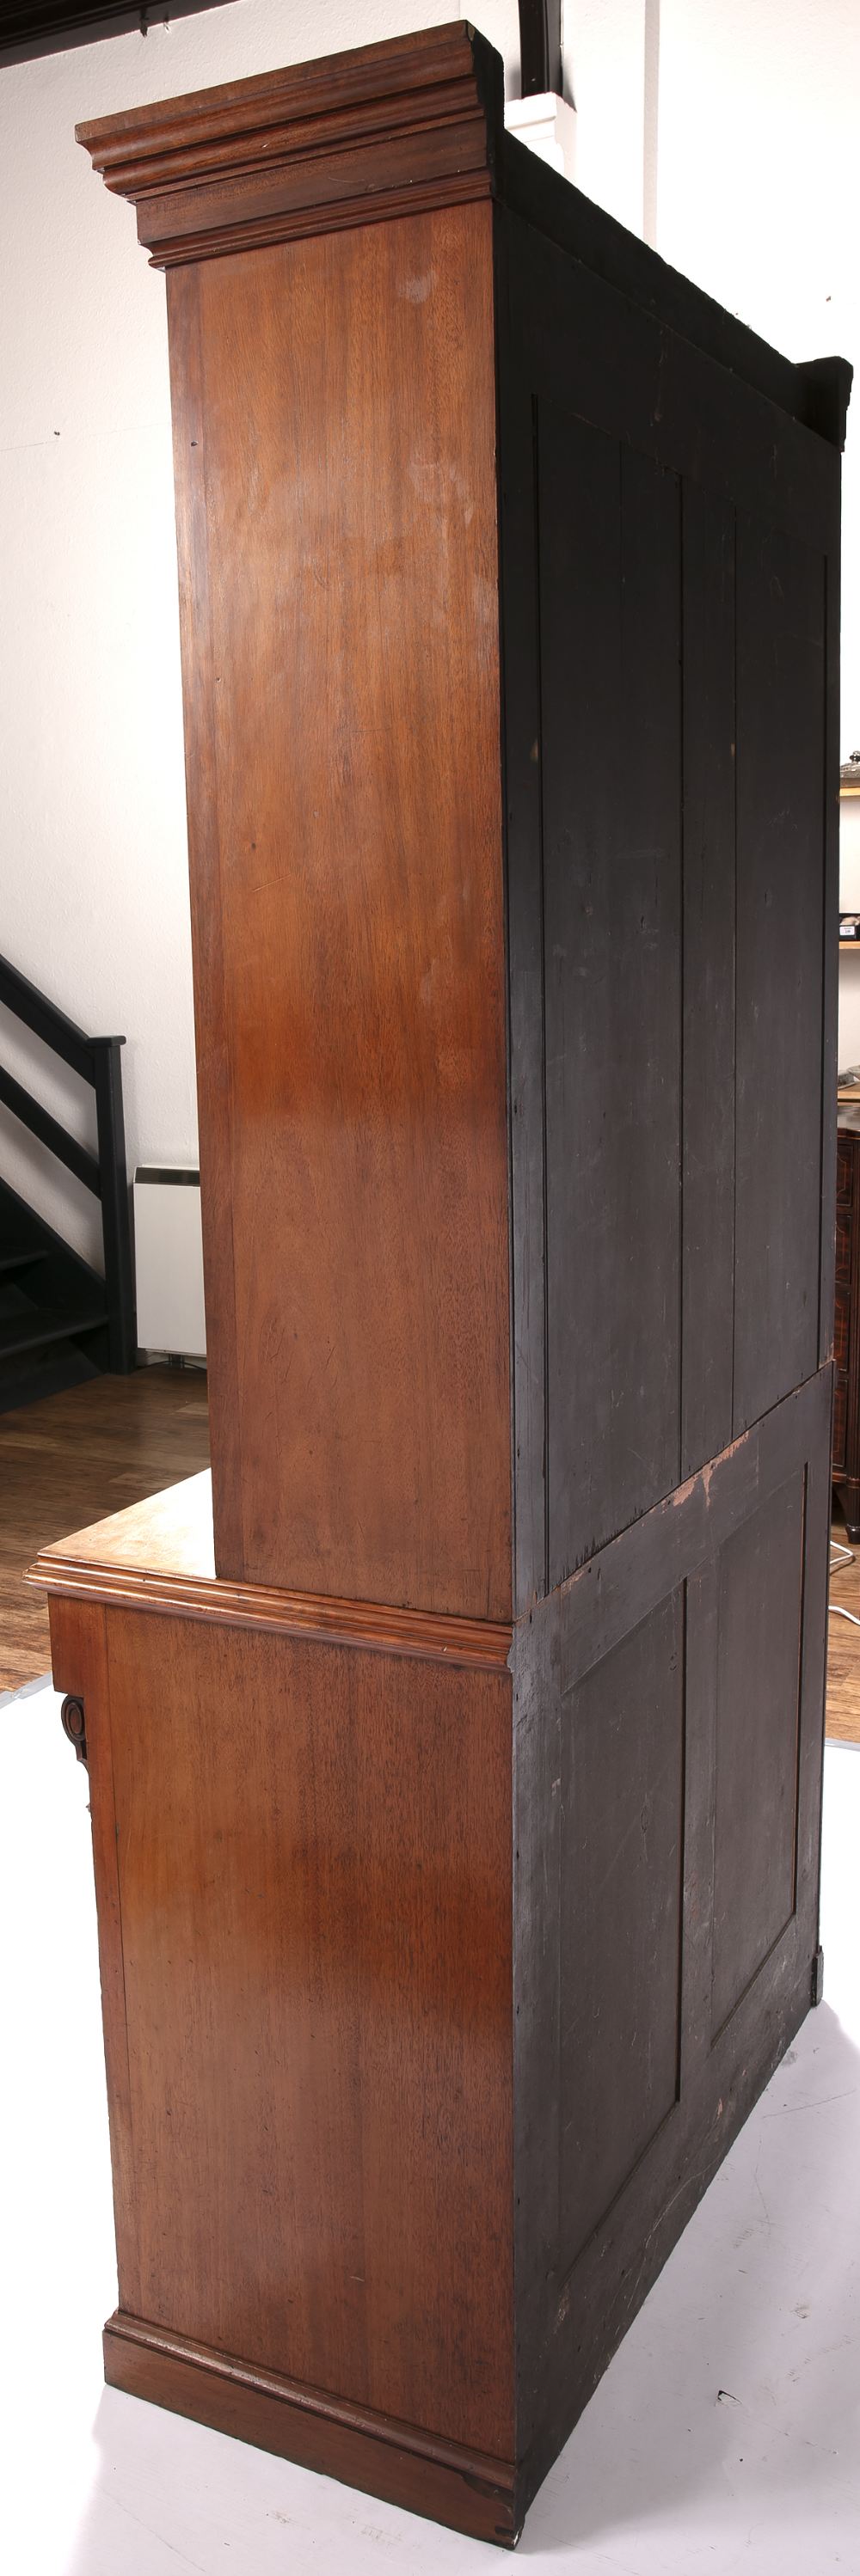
x=668, y=1734
x=440, y=1968
x=620, y=1898
x=308, y=1849
x=760, y=1604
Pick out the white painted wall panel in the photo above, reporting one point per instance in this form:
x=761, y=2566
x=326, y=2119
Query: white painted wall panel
x=168, y=1261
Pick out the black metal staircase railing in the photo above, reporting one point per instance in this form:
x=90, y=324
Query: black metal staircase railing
x=97, y=1061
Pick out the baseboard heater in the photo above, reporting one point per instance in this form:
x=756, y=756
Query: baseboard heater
x=168, y=1253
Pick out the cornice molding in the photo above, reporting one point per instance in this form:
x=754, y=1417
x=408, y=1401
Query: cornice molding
x=353, y=138
x=395, y=129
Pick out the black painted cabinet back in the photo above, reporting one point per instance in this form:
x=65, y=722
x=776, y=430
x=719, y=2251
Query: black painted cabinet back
x=670, y=621
x=670, y=548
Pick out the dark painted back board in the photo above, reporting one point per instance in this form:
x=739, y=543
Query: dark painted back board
x=669, y=538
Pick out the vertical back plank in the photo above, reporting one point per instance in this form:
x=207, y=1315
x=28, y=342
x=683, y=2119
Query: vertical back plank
x=780, y=755
x=610, y=645
x=708, y=576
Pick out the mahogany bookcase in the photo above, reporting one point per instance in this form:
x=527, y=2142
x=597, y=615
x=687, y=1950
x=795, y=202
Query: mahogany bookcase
x=456, y=1808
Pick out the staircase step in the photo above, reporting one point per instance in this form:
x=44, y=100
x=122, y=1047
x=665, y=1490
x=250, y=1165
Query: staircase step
x=50, y=1372
x=20, y=1260
x=34, y=1331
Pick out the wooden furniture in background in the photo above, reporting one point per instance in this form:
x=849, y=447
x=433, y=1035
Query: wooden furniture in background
x=456, y=1807
x=846, y=1390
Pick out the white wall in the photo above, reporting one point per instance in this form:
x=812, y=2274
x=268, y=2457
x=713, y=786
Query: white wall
x=724, y=129
x=93, y=865
x=610, y=57
x=758, y=200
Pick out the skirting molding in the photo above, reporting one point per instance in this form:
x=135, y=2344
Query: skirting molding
x=407, y=2466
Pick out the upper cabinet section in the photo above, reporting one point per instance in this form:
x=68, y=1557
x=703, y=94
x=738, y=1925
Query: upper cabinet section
x=334, y=414
x=509, y=587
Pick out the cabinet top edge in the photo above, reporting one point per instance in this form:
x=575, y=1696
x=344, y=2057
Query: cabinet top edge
x=158, y=1556
x=134, y=146
x=385, y=130
x=814, y=392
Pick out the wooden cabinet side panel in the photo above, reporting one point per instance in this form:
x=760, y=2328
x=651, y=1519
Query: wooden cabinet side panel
x=334, y=405
x=80, y=1669
x=211, y=1020
x=315, y=1869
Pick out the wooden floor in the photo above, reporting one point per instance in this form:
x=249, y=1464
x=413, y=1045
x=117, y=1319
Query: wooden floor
x=843, y=1646
x=71, y=1459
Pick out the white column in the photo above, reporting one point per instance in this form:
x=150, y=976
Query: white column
x=611, y=58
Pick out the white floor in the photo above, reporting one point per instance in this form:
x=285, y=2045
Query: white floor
x=726, y=2434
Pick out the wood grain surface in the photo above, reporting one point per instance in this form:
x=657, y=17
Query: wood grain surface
x=160, y=1556
x=447, y=2481
x=314, y=1909
x=400, y=127
x=334, y=413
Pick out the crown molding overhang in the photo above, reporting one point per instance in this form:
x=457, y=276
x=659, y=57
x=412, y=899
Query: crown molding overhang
x=414, y=122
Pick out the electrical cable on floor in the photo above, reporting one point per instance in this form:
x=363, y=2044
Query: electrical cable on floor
x=840, y=1556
